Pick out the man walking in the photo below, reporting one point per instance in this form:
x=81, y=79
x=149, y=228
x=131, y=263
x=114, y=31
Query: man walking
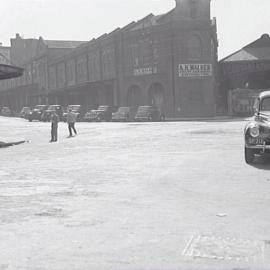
x=54, y=127
x=71, y=120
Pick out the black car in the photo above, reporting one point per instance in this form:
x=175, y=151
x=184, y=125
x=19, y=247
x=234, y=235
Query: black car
x=103, y=113
x=52, y=108
x=37, y=113
x=257, y=132
x=124, y=114
x=149, y=113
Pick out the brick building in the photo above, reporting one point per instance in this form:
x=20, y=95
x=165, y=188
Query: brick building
x=168, y=60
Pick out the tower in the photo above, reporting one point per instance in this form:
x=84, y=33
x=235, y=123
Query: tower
x=193, y=9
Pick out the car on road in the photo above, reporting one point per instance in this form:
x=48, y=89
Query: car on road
x=37, y=113
x=257, y=131
x=124, y=114
x=6, y=111
x=103, y=113
x=52, y=108
x=25, y=112
x=149, y=113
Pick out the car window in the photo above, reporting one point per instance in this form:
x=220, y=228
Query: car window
x=265, y=104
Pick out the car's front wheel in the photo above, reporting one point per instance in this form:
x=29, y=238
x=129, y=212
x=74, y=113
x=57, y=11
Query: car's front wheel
x=249, y=155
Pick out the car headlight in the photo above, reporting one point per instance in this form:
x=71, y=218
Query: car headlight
x=254, y=130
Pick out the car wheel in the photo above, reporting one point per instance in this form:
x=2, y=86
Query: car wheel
x=249, y=155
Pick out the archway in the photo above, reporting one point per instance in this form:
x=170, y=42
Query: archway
x=134, y=96
x=156, y=96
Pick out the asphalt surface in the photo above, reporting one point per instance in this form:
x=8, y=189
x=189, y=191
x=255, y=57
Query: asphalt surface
x=126, y=196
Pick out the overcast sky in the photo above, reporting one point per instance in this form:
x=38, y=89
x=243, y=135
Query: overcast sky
x=239, y=21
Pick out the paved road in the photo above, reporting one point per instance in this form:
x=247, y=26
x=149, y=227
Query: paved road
x=132, y=196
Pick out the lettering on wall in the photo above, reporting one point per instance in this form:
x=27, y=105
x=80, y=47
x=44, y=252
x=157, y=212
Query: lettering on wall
x=195, y=70
x=144, y=71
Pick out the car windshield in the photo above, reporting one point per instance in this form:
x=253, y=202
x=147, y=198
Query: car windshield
x=123, y=110
x=53, y=107
x=265, y=104
x=144, y=109
x=26, y=109
x=40, y=107
x=103, y=108
x=74, y=107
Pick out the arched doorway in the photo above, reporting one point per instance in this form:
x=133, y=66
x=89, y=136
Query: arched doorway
x=156, y=96
x=134, y=96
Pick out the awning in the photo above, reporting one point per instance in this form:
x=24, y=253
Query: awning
x=8, y=72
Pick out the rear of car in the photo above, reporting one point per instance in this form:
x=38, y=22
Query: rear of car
x=124, y=114
x=103, y=113
x=148, y=113
x=37, y=113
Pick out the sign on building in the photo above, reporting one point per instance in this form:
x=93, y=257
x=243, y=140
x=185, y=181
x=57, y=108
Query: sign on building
x=195, y=70
x=145, y=71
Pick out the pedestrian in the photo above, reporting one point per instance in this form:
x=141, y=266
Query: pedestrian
x=54, y=127
x=71, y=120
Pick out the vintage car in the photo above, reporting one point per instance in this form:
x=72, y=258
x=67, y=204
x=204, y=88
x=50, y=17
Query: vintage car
x=78, y=109
x=257, y=132
x=149, y=113
x=103, y=113
x=37, y=113
x=25, y=112
x=124, y=114
x=6, y=111
x=52, y=108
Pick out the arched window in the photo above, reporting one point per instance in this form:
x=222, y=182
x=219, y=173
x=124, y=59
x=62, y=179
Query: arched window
x=193, y=9
x=194, y=48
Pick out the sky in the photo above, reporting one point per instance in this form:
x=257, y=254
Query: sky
x=239, y=21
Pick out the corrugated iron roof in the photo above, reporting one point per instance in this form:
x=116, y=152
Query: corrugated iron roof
x=256, y=50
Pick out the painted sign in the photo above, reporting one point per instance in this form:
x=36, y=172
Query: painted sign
x=195, y=70
x=144, y=71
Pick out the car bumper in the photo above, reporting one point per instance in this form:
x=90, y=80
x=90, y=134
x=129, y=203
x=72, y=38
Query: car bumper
x=263, y=148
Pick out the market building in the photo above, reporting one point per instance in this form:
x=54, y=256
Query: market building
x=244, y=74
x=169, y=60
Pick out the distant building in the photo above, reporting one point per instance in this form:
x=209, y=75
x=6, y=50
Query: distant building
x=248, y=68
x=34, y=55
x=4, y=54
x=168, y=60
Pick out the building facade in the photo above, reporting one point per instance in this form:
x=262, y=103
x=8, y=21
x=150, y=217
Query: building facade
x=167, y=60
x=248, y=68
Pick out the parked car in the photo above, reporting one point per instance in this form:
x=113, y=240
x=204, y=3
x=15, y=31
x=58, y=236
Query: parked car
x=37, y=113
x=78, y=109
x=52, y=108
x=6, y=111
x=103, y=113
x=257, y=131
x=149, y=113
x=25, y=112
x=124, y=114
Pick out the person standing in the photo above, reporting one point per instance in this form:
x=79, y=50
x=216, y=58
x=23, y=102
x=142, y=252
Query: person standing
x=71, y=120
x=54, y=127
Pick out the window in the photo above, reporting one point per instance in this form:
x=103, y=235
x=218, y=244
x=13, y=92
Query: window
x=194, y=48
x=193, y=9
